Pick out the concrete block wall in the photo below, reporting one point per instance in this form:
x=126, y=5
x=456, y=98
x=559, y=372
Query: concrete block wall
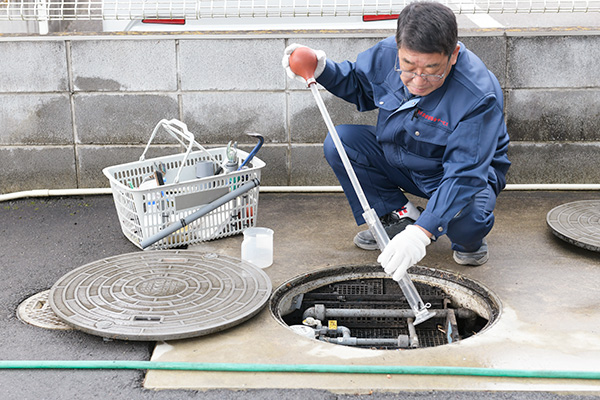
x=72, y=105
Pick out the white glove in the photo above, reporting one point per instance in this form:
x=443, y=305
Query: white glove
x=405, y=250
x=285, y=62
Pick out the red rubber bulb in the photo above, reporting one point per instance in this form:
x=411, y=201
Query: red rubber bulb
x=303, y=62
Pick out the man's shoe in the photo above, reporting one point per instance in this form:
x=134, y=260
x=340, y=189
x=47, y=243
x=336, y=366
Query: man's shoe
x=393, y=223
x=475, y=258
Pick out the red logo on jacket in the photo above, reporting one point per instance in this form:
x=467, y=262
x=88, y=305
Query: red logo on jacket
x=430, y=118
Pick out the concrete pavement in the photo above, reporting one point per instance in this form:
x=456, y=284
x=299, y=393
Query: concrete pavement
x=548, y=289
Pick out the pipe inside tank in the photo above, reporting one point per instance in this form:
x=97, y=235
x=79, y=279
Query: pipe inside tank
x=343, y=336
x=321, y=312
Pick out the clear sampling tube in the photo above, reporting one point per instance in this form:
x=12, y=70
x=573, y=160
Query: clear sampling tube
x=371, y=218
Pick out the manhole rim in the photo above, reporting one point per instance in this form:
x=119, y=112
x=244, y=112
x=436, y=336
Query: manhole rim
x=302, y=284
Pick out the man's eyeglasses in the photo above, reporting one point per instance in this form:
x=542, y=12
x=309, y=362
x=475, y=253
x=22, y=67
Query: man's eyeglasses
x=427, y=77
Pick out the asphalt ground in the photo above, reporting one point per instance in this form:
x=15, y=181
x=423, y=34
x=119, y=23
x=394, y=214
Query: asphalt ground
x=43, y=239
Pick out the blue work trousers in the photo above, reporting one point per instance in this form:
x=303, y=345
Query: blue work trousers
x=383, y=185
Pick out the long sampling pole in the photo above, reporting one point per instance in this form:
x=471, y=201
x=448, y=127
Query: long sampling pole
x=303, y=62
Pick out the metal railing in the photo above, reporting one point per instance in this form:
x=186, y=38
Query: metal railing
x=38, y=10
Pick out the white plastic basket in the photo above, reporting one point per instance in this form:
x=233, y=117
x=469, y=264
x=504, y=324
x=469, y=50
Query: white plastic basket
x=144, y=212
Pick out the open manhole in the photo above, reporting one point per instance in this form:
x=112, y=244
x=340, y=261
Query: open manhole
x=160, y=295
x=362, y=306
x=577, y=223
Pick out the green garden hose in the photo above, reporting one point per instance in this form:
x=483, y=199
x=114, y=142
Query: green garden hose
x=298, y=368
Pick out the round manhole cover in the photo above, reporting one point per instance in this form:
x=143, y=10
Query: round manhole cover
x=577, y=223
x=36, y=311
x=160, y=295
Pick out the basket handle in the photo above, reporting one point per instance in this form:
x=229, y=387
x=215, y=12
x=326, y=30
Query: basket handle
x=178, y=130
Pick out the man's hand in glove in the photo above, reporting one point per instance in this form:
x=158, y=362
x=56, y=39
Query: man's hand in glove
x=405, y=250
x=285, y=62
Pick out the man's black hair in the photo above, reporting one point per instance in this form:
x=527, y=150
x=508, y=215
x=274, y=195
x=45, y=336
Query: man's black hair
x=427, y=27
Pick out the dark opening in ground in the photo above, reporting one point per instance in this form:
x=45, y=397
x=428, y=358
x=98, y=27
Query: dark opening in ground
x=359, y=306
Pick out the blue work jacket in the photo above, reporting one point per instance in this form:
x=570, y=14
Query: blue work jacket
x=453, y=141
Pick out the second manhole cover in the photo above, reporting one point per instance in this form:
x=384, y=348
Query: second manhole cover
x=577, y=223
x=160, y=295
x=36, y=311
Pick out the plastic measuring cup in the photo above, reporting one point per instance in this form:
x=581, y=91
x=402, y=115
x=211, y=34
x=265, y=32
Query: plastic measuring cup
x=257, y=247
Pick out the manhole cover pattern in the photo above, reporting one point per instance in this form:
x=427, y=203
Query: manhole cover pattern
x=577, y=223
x=36, y=311
x=160, y=295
